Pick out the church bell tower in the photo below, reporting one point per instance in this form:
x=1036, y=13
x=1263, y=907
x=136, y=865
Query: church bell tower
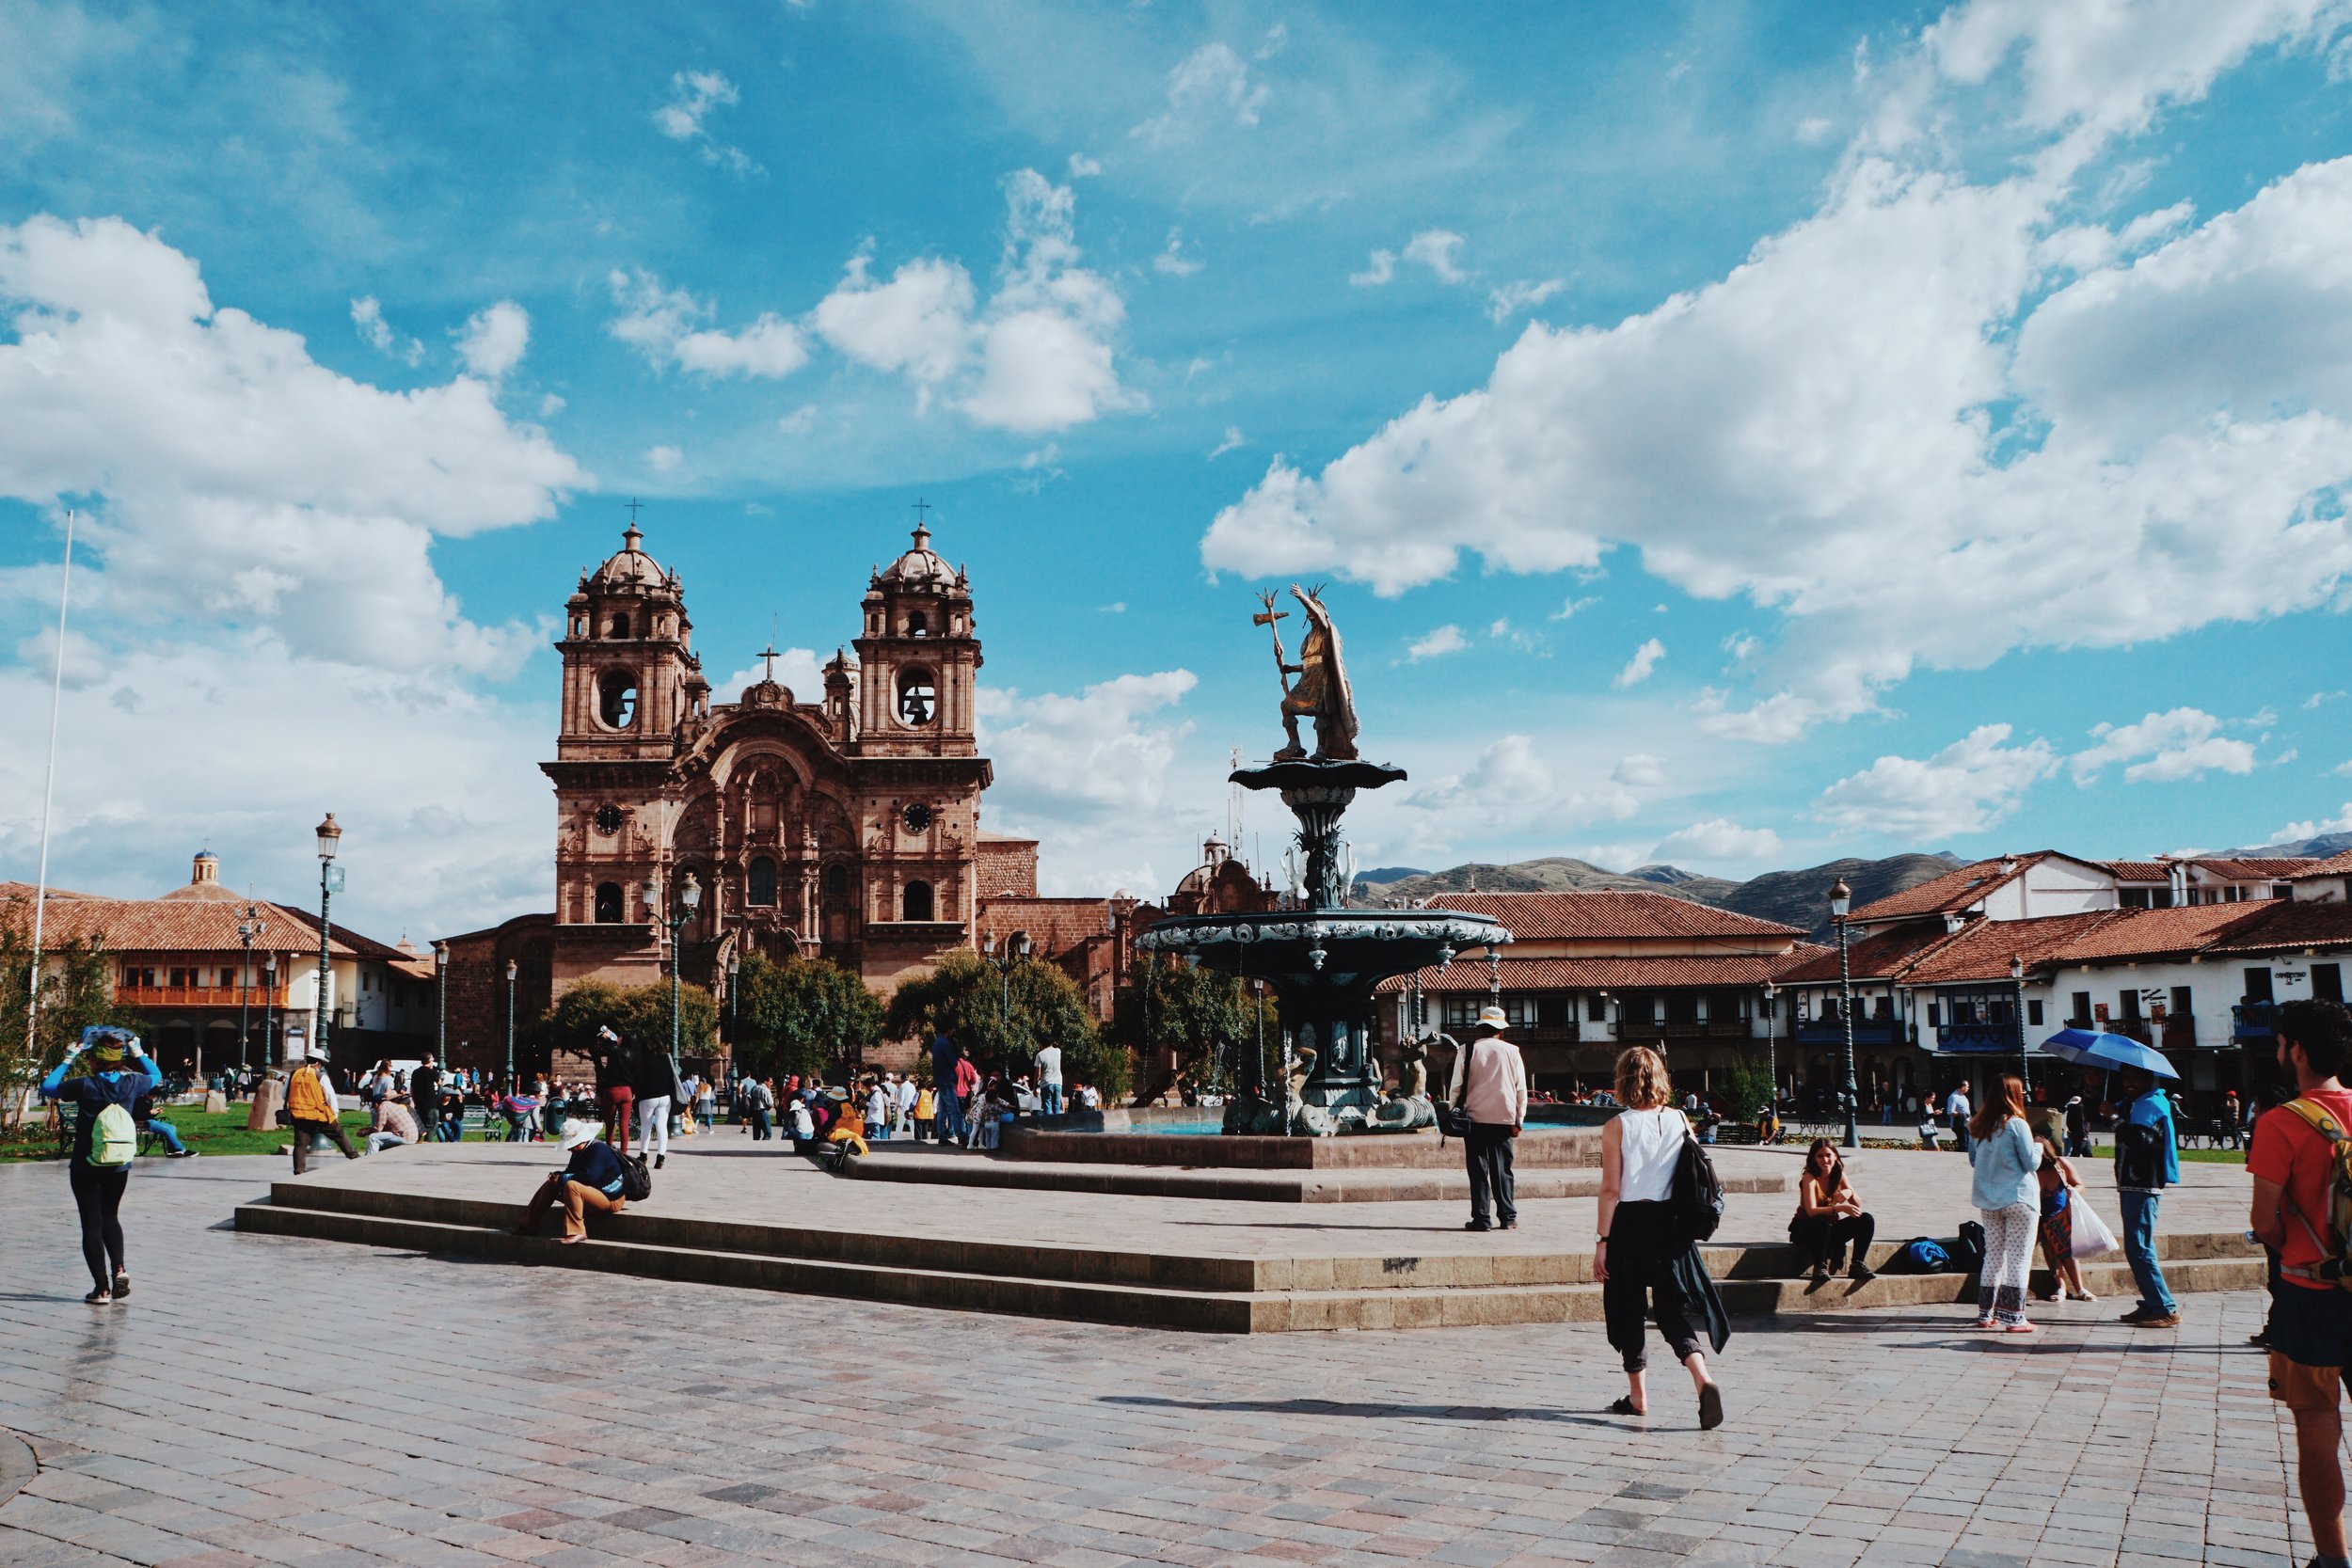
x=917, y=659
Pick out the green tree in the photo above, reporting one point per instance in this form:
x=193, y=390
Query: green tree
x=640, y=1012
x=1746, y=1089
x=1007, y=1017
x=75, y=993
x=807, y=1016
x=1201, y=1019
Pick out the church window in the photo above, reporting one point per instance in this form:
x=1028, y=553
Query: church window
x=838, y=880
x=620, y=625
x=608, y=820
x=762, y=883
x=917, y=900
x=916, y=626
x=609, y=904
x=918, y=698
x=616, y=699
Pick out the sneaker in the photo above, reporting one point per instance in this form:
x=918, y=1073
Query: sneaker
x=2139, y=1316
x=122, y=1283
x=657, y=1161
x=100, y=1298
x=1863, y=1273
x=1478, y=1225
x=2261, y=1337
x=1821, y=1274
x=179, y=1154
x=1510, y=1225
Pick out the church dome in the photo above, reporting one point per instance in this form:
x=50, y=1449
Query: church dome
x=631, y=568
x=920, y=567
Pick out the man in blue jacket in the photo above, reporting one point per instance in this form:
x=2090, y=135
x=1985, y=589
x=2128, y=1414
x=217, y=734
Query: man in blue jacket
x=110, y=1068
x=2147, y=1160
x=590, y=1180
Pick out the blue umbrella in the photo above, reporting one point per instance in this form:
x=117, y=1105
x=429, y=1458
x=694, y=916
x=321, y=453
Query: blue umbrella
x=2106, y=1051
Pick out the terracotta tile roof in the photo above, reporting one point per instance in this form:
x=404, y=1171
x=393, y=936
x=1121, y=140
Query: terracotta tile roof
x=1726, y=970
x=2140, y=871
x=1540, y=916
x=27, y=890
x=2154, y=933
x=1883, y=957
x=2278, y=924
x=1954, y=890
x=1981, y=949
x=181, y=925
x=2334, y=865
x=2279, y=866
x=349, y=940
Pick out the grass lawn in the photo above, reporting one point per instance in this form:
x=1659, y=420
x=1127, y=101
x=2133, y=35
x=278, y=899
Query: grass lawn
x=205, y=1132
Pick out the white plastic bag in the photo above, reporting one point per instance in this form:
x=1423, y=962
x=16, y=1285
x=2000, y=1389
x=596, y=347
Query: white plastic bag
x=2092, y=1239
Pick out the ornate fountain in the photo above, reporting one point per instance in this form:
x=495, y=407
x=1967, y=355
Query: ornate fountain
x=1322, y=958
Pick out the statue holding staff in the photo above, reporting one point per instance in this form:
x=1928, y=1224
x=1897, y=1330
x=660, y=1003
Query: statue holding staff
x=1322, y=692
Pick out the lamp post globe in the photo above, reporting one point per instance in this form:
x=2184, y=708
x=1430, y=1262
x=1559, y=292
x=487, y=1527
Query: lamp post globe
x=510, y=1025
x=1840, y=904
x=440, y=998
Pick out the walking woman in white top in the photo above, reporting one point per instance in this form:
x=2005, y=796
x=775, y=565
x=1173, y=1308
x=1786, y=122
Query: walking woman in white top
x=1641, y=1256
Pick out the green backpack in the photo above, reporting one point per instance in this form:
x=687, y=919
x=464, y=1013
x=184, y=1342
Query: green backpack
x=114, y=1139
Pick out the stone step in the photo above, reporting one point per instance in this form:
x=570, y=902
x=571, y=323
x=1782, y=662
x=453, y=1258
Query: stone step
x=1577, y=1147
x=1339, y=1185
x=1270, y=1296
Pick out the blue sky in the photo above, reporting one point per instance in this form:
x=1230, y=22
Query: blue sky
x=1732, y=434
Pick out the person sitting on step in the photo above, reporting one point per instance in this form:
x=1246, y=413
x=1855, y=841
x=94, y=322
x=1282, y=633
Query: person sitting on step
x=1830, y=1214
x=591, y=1180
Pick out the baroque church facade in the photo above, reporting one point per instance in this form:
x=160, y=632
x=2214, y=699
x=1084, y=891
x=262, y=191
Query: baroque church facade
x=845, y=827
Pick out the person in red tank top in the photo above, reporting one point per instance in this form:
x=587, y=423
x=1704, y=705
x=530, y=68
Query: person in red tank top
x=2310, y=1329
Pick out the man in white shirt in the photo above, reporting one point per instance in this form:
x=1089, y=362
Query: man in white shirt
x=1490, y=1087
x=907, y=1093
x=1049, y=1080
x=1959, y=1110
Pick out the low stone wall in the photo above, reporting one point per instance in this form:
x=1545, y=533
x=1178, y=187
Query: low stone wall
x=1423, y=1150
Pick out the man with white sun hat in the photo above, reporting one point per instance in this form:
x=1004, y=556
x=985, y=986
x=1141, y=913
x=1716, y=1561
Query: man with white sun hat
x=589, y=1182
x=1490, y=1087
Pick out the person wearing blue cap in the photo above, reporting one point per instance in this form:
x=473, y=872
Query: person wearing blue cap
x=102, y=1081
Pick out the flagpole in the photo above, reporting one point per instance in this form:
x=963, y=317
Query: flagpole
x=48, y=794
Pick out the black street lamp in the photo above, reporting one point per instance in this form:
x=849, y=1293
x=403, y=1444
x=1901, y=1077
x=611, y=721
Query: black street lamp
x=1842, y=901
x=250, y=925
x=1015, y=951
x=269, y=1004
x=735, y=1002
x=690, y=897
x=330, y=882
x=510, y=1024
x=440, y=996
x=2025, y=1052
x=1772, y=1043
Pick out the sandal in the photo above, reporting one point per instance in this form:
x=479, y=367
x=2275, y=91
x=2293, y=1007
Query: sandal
x=1625, y=1407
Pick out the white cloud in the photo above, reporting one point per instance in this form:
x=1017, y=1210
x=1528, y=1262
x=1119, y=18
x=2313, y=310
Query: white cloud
x=800, y=421
x=1230, y=441
x=1094, y=759
x=1378, y=270
x=1965, y=789
x=1814, y=130
x=2152, y=446
x=1436, y=645
x=1639, y=769
x=493, y=339
x=2340, y=824
x=1573, y=607
x=1434, y=248
x=662, y=459
x=2341, y=769
x=1718, y=839
x=1510, y=299
x=2164, y=747
x=1083, y=167
x=694, y=94
x=1037, y=358
x=367, y=316
x=1209, y=89
x=232, y=481
x=1172, y=260
x=1508, y=788
x=661, y=324
x=1640, y=667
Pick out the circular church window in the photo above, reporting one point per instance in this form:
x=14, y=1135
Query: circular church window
x=609, y=819
x=917, y=818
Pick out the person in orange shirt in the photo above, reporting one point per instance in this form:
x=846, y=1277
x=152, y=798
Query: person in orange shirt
x=2293, y=1164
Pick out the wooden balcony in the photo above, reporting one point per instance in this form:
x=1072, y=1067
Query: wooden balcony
x=200, y=996
x=1727, y=1029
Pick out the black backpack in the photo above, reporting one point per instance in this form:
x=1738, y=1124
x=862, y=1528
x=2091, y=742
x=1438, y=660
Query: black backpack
x=1968, y=1248
x=636, y=1180
x=1696, y=1202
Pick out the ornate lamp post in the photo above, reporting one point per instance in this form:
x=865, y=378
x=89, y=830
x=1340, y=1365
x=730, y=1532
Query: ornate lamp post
x=1015, y=951
x=510, y=1024
x=269, y=1002
x=441, y=997
x=690, y=897
x=2025, y=1052
x=330, y=882
x=1840, y=901
x=1772, y=1043
x=735, y=1001
x=250, y=925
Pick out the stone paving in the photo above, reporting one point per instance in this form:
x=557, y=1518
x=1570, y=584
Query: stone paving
x=261, y=1399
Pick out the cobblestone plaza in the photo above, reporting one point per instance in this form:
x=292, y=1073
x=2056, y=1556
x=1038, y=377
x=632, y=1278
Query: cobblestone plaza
x=269, y=1399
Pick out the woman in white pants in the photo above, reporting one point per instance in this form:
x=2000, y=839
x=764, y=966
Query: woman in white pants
x=2008, y=1194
